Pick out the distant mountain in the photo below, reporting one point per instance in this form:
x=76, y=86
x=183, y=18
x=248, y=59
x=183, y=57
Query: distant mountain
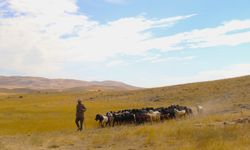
x=39, y=83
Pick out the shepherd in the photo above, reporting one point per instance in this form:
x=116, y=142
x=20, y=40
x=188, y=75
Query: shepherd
x=80, y=109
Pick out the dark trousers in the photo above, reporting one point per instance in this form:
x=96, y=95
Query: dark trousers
x=79, y=122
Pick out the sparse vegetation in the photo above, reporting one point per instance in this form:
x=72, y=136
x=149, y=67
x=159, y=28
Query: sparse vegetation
x=46, y=121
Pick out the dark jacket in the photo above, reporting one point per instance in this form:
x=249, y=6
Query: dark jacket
x=80, y=109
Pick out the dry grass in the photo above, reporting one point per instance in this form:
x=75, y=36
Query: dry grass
x=181, y=134
x=46, y=120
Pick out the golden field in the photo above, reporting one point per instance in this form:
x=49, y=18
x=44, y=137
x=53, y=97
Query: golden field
x=45, y=120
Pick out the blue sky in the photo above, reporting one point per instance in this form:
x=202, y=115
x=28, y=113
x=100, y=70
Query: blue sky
x=143, y=43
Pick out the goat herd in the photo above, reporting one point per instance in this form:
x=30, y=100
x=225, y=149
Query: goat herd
x=140, y=116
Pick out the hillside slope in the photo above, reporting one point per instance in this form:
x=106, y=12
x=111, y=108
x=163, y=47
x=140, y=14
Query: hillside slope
x=231, y=93
x=226, y=89
x=40, y=83
x=45, y=120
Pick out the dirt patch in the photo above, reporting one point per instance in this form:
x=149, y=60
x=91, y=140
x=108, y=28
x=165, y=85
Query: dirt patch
x=243, y=120
x=244, y=106
x=53, y=146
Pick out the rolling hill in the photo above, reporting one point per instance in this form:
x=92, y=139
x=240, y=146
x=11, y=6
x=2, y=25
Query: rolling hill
x=41, y=120
x=39, y=83
x=217, y=96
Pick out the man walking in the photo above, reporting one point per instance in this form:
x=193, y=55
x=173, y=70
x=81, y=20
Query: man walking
x=80, y=109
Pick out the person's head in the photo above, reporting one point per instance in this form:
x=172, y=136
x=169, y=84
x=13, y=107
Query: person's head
x=79, y=101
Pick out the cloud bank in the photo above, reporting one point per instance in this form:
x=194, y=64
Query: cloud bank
x=42, y=35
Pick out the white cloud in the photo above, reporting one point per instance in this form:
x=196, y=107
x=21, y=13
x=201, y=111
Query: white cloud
x=44, y=7
x=159, y=58
x=41, y=35
x=116, y=63
x=45, y=34
x=228, y=34
x=173, y=59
